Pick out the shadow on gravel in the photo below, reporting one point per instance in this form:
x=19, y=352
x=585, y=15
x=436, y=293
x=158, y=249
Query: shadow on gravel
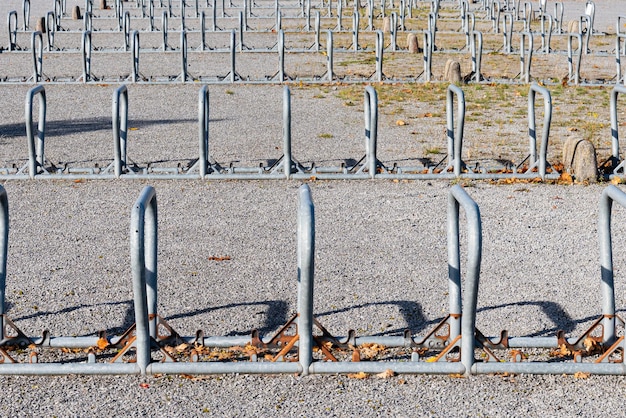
x=410, y=311
x=75, y=126
x=275, y=315
x=561, y=319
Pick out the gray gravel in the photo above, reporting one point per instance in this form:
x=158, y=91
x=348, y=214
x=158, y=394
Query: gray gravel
x=380, y=260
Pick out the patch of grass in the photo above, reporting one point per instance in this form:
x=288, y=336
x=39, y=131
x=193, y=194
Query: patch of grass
x=433, y=150
x=325, y=136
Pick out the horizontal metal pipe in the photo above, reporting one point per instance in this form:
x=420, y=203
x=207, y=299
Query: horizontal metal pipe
x=549, y=368
x=379, y=367
x=248, y=367
x=57, y=369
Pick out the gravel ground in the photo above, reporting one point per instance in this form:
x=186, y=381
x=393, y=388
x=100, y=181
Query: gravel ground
x=380, y=260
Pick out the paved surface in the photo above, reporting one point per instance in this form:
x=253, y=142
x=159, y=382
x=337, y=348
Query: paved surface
x=380, y=268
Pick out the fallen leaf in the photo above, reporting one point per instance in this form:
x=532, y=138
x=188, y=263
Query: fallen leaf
x=616, y=180
x=182, y=347
x=387, y=374
x=144, y=385
x=133, y=129
x=581, y=375
x=219, y=258
x=102, y=343
x=400, y=122
x=428, y=115
x=359, y=375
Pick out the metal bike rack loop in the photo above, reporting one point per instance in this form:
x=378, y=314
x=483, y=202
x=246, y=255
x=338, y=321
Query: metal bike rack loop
x=476, y=48
x=507, y=31
x=4, y=252
x=135, y=57
x=86, y=54
x=455, y=136
x=35, y=151
x=615, y=148
x=26, y=13
x=120, y=129
x=539, y=163
x=37, y=49
x=50, y=30
x=12, y=27
x=526, y=55
x=573, y=71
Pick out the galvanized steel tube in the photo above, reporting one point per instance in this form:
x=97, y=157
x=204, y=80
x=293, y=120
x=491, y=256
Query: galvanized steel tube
x=12, y=27
x=457, y=197
x=120, y=128
x=203, y=129
x=532, y=132
x=4, y=252
x=143, y=246
x=614, y=122
x=306, y=269
x=37, y=50
x=287, y=161
x=35, y=153
x=371, y=129
x=455, y=136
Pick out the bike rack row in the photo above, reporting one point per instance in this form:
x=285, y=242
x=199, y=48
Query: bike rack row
x=219, y=44
x=303, y=345
x=535, y=165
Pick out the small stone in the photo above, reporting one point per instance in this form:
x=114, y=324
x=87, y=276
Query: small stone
x=76, y=15
x=40, y=25
x=579, y=159
x=412, y=43
x=387, y=24
x=452, y=71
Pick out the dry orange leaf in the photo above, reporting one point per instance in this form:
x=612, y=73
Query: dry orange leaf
x=400, y=122
x=144, y=385
x=428, y=115
x=616, y=181
x=219, y=258
x=581, y=375
x=359, y=375
x=133, y=129
x=102, y=343
x=387, y=374
x=182, y=347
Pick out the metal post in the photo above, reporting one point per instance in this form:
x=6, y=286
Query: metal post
x=394, y=30
x=164, y=29
x=532, y=130
x=546, y=37
x=607, y=286
x=281, y=56
x=87, y=22
x=428, y=48
x=58, y=13
x=126, y=29
x=455, y=137
x=306, y=274
x=86, y=52
x=233, y=42
x=507, y=31
x=50, y=30
x=214, y=20
x=120, y=128
x=317, y=31
x=143, y=254
x=183, y=55
x=463, y=309
x=380, y=46
x=4, y=252
x=151, y=15
x=35, y=151
x=135, y=56
x=558, y=17
x=617, y=90
x=37, y=55
x=12, y=26
x=526, y=55
x=26, y=13
x=329, y=55
x=355, y=32
x=371, y=129
x=203, y=130
x=575, y=75
x=287, y=160
x=477, y=53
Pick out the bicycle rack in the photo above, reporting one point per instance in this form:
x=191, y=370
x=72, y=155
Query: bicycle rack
x=601, y=339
